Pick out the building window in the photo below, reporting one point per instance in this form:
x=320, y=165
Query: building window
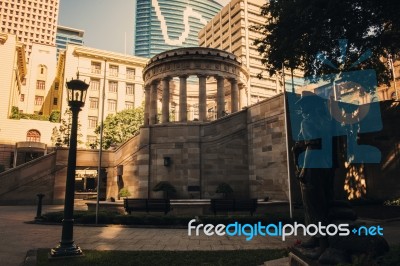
x=112, y=105
x=130, y=73
x=94, y=84
x=40, y=84
x=55, y=101
x=112, y=86
x=130, y=88
x=94, y=103
x=113, y=71
x=128, y=105
x=33, y=135
x=92, y=141
x=96, y=67
x=92, y=121
x=38, y=100
x=22, y=98
x=56, y=85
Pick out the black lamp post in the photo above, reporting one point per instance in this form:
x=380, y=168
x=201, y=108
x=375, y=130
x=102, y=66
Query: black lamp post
x=76, y=99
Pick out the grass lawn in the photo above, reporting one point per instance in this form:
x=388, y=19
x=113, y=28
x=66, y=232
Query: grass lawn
x=141, y=258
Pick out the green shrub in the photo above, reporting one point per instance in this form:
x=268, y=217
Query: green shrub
x=124, y=192
x=35, y=117
x=168, y=189
x=15, y=113
x=53, y=217
x=225, y=189
x=54, y=116
x=85, y=217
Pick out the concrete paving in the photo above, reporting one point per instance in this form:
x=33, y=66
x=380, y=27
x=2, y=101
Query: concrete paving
x=17, y=237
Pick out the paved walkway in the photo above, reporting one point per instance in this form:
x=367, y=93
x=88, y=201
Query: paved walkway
x=17, y=237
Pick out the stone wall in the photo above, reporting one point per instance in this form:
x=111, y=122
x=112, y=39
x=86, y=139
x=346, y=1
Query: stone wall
x=267, y=149
x=84, y=159
x=201, y=155
x=133, y=156
x=6, y=155
x=247, y=150
x=21, y=184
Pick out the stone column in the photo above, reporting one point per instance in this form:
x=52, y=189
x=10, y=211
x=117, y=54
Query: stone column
x=165, y=100
x=220, y=96
x=153, y=103
x=234, y=96
x=243, y=96
x=182, y=99
x=202, y=98
x=146, y=104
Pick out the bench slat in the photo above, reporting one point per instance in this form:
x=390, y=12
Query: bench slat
x=147, y=205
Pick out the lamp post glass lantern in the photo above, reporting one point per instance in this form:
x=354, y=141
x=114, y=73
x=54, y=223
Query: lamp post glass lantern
x=76, y=99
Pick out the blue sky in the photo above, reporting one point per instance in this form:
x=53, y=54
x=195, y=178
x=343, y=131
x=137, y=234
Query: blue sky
x=105, y=22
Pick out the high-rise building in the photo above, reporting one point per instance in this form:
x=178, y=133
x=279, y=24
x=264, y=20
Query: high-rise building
x=32, y=21
x=66, y=35
x=162, y=25
x=230, y=30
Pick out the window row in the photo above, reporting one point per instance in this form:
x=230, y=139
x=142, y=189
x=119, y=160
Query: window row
x=39, y=100
x=112, y=86
x=112, y=104
x=113, y=70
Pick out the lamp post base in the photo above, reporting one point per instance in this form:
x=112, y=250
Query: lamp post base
x=66, y=250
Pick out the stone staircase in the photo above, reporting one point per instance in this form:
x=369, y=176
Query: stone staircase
x=20, y=185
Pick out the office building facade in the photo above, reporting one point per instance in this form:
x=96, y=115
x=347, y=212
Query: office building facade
x=66, y=35
x=120, y=75
x=230, y=30
x=32, y=21
x=163, y=25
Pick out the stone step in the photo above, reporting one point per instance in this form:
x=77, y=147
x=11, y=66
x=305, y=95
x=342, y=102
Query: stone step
x=278, y=262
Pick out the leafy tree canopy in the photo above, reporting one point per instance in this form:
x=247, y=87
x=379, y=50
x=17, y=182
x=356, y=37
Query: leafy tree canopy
x=60, y=136
x=297, y=30
x=121, y=126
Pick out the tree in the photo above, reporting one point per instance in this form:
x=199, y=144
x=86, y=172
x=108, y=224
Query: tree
x=225, y=189
x=296, y=31
x=124, y=193
x=60, y=135
x=121, y=126
x=167, y=188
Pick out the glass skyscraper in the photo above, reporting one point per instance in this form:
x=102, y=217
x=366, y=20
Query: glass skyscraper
x=167, y=24
x=66, y=35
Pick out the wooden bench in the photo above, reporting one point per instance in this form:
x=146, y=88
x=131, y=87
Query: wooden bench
x=147, y=205
x=233, y=205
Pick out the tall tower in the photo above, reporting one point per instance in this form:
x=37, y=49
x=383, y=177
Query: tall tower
x=230, y=30
x=67, y=35
x=167, y=24
x=32, y=21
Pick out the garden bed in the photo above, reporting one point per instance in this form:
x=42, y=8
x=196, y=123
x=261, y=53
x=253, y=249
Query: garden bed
x=87, y=217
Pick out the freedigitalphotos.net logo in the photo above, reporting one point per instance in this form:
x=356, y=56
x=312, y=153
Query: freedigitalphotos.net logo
x=349, y=116
x=281, y=230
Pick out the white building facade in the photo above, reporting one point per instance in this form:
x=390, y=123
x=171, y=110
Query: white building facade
x=118, y=74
